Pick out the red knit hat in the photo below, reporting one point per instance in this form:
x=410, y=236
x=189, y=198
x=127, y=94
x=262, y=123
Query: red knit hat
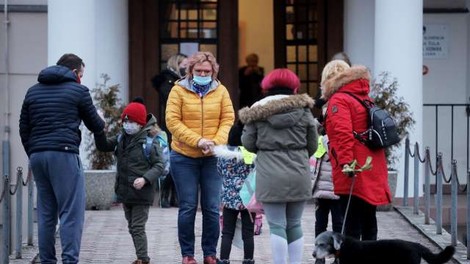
x=135, y=112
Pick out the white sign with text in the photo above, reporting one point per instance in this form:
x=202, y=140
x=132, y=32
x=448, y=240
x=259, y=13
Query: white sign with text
x=435, y=41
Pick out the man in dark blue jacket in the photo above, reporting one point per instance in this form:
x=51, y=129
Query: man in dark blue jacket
x=49, y=128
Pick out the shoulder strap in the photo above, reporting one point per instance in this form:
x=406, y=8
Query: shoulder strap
x=359, y=100
x=357, y=135
x=148, y=146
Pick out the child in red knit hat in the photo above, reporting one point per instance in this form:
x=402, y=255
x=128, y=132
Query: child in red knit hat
x=137, y=172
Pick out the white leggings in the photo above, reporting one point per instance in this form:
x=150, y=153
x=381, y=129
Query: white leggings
x=285, y=227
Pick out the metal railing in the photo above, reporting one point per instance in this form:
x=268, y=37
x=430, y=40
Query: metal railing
x=440, y=178
x=457, y=118
x=9, y=191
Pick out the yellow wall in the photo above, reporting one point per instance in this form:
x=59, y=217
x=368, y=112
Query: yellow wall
x=255, y=22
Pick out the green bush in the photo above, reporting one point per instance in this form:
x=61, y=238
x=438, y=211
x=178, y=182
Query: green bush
x=106, y=98
x=384, y=93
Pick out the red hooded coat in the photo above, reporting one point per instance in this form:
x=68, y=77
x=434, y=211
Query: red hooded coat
x=345, y=115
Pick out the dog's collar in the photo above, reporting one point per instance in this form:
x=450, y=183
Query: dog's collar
x=337, y=257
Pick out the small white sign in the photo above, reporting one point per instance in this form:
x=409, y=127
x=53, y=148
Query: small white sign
x=435, y=41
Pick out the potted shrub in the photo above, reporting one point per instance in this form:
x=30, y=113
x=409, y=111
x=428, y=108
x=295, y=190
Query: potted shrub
x=384, y=93
x=99, y=180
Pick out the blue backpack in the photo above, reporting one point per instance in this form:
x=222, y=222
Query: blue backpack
x=162, y=140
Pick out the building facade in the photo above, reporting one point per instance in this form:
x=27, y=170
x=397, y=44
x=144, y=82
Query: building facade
x=131, y=40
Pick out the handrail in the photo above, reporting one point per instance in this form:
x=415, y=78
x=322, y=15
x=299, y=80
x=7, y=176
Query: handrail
x=9, y=190
x=441, y=178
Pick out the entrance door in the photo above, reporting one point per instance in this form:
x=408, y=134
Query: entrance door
x=161, y=28
x=307, y=34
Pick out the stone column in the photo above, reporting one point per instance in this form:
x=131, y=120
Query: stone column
x=398, y=50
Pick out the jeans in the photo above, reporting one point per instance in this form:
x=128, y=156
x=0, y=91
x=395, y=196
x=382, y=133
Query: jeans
x=190, y=175
x=324, y=207
x=228, y=231
x=60, y=195
x=361, y=219
x=137, y=216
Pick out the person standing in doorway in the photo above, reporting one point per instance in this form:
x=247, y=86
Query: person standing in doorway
x=199, y=115
x=175, y=69
x=250, y=77
x=49, y=123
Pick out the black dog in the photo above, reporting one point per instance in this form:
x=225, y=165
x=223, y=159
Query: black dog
x=348, y=250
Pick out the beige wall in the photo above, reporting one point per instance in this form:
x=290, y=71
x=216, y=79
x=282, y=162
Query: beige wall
x=256, y=31
x=27, y=55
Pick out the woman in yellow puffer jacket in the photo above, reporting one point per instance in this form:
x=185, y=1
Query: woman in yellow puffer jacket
x=199, y=115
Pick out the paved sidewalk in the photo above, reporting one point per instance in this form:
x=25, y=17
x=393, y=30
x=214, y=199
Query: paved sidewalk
x=106, y=240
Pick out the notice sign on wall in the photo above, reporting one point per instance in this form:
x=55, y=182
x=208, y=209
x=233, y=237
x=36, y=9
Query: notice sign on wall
x=435, y=41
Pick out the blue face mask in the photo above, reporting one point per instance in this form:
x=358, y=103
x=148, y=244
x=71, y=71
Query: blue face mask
x=202, y=80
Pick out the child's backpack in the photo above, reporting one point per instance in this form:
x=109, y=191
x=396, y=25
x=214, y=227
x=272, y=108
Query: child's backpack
x=247, y=194
x=162, y=140
x=382, y=131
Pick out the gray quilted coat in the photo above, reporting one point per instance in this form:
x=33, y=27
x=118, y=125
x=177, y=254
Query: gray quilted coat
x=281, y=130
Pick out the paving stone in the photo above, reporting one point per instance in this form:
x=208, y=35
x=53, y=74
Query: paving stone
x=106, y=239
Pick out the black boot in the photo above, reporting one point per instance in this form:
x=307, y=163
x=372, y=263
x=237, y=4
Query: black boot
x=248, y=261
x=223, y=261
x=164, y=203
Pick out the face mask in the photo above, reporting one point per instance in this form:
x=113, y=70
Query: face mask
x=77, y=74
x=202, y=80
x=131, y=128
x=182, y=72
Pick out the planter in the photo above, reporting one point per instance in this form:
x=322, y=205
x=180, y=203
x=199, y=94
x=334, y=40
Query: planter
x=392, y=182
x=99, y=186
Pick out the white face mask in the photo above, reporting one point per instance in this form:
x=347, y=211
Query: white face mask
x=131, y=128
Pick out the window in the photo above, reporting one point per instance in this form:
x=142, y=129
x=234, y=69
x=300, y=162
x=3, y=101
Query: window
x=187, y=26
x=301, y=42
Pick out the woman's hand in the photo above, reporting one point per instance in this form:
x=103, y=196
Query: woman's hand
x=206, y=145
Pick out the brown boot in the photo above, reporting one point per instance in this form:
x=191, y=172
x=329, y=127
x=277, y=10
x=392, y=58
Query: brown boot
x=210, y=260
x=188, y=260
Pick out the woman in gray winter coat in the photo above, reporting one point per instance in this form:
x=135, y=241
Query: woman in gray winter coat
x=281, y=130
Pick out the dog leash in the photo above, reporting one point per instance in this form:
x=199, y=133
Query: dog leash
x=347, y=206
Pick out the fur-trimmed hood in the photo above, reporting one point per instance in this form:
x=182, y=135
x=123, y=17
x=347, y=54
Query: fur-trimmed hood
x=225, y=152
x=354, y=73
x=272, y=105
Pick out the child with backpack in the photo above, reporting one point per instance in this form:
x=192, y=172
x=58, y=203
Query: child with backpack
x=231, y=165
x=138, y=168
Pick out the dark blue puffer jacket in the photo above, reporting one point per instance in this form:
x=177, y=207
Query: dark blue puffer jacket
x=53, y=110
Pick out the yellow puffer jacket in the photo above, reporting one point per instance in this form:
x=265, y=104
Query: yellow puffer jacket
x=190, y=117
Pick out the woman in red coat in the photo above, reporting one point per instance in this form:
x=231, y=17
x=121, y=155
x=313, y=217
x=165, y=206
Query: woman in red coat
x=344, y=116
